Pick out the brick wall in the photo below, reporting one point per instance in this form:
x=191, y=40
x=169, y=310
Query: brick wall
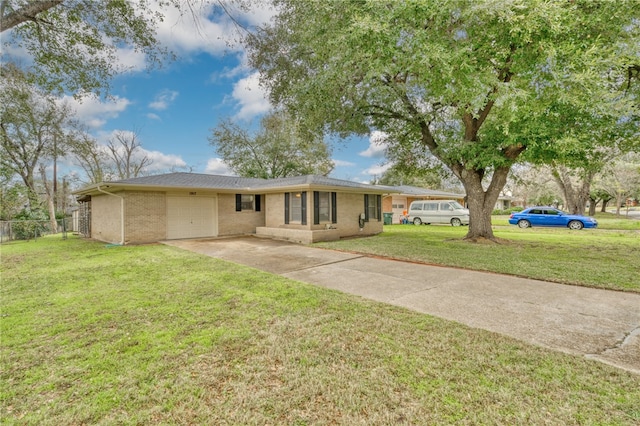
x=105, y=218
x=145, y=217
x=349, y=208
x=231, y=222
x=387, y=204
x=274, y=210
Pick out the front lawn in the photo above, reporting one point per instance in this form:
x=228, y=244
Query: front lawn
x=602, y=258
x=154, y=335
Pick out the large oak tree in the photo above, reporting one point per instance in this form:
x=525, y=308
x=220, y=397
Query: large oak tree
x=470, y=82
x=32, y=128
x=74, y=43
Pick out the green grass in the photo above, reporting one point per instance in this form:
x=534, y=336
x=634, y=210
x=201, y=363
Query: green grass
x=156, y=335
x=601, y=258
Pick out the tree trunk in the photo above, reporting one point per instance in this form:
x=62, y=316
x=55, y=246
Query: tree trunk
x=604, y=205
x=50, y=201
x=592, y=206
x=481, y=202
x=575, y=198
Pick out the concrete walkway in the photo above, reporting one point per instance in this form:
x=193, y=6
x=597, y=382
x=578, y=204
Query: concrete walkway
x=598, y=324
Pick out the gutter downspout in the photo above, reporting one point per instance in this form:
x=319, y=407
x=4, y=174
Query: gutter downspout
x=121, y=211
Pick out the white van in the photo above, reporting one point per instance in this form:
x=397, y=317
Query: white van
x=438, y=211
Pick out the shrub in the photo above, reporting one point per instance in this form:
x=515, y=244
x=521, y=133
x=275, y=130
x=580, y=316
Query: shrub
x=28, y=224
x=508, y=211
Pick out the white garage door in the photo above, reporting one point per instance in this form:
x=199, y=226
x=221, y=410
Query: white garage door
x=191, y=217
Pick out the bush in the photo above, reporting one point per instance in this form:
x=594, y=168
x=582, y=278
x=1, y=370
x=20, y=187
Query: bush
x=28, y=224
x=507, y=211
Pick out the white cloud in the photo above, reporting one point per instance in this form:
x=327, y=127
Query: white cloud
x=130, y=60
x=228, y=73
x=95, y=112
x=163, y=99
x=216, y=166
x=206, y=28
x=342, y=163
x=153, y=116
x=251, y=97
x=377, y=170
x=161, y=161
x=377, y=146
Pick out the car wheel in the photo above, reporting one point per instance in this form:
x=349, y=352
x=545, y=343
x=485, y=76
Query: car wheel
x=523, y=223
x=417, y=221
x=455, y=222
x=575, y=224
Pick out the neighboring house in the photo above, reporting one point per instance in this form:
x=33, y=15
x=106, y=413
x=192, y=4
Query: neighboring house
x=398, y=204
x=504, y=203
x=187, y=205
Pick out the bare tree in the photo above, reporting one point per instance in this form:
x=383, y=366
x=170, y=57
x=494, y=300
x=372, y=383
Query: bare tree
x=91, y=156
x=531, y=184
x=575, y=185
x=621, y=178
x=127, y=154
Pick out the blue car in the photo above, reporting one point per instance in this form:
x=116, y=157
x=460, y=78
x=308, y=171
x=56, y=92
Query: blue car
x=549, y=216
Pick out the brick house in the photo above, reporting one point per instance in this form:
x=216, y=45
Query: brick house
x=187, y=205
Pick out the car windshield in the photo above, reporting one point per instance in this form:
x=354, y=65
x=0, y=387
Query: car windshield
x=456, y=205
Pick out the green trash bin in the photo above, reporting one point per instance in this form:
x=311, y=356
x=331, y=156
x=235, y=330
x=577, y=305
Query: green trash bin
x=388, y=218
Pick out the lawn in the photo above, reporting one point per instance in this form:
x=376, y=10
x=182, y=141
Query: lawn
x=603, y=258
x=154, y=335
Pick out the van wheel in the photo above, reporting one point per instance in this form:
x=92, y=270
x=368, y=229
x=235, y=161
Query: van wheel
x=417, y=221
x=455, y=222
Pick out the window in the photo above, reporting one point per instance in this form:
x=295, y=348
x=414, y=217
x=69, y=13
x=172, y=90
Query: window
x=431, y=206
x=295, y=207
x=247, y=202
x=324, y=207
x=372, y=207
x=446, y=207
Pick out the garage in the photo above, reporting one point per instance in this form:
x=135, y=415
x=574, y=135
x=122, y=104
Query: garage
x=191, y=217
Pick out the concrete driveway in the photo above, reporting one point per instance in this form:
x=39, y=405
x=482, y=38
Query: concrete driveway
x=598, y=324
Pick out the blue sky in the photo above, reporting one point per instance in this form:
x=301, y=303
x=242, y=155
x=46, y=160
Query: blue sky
x=173, y=109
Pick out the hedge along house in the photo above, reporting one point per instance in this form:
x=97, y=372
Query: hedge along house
x=303, y=209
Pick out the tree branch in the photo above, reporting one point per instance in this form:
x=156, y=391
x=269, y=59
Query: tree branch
x=472, y=124
x=26, y=13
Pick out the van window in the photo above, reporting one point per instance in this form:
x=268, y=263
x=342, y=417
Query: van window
x=446, y=207
x=431, y=206
x=417, y=206
x=456, y=205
